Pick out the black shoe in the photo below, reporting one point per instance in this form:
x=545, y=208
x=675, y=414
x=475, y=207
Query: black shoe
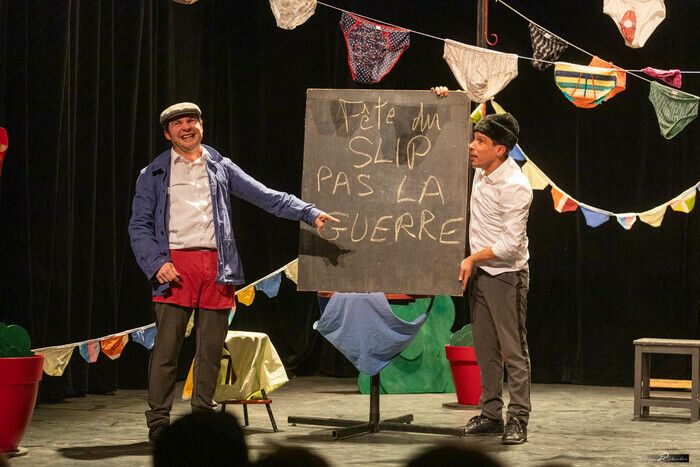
x=515, y=432
x=481, y=425
x=155, y=432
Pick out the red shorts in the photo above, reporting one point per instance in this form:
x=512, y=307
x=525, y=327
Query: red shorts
x=197, y=287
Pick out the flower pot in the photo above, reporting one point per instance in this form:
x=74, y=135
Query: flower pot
x=19, y=384
x=465, y=374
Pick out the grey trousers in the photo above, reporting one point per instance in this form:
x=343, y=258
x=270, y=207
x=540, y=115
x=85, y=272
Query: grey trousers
x=498, y=309
x=211, y=327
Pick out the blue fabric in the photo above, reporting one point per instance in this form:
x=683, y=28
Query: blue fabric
x=148, y=227
x=364, y=329
x=270, y=286
x=517, y=154
x=145, y=337
x=594, y=218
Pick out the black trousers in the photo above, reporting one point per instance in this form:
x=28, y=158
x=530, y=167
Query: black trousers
x=211, y=327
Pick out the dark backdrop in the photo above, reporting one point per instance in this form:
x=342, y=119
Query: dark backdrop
x=82, y=84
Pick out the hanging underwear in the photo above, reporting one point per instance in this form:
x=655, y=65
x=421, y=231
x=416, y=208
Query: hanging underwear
x=672, y=77
x=373, y=49
x=545, y=46
x=482, y=73
x=291, y=13
x=584, y=86
x=674, y=109
x=620, y=76
x=636, y=19
x=364, y=329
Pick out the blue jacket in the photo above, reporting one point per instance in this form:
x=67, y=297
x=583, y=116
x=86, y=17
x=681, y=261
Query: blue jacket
x=150, y=214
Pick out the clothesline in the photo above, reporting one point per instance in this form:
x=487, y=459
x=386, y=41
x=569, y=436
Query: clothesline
x=631, y=72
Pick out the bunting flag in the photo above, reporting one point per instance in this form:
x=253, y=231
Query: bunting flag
x=653, y=217
x=90, y=350
x=56, y=359
x=478, y=113
x=231, y=314
x=626, y=220
x=594, y=218
x=271, y=285
x=562, y=201
x=292, y=271
x=146, y=336
x=686, y=201
x=497, y=108
x=113, y=346
x=537, y=179
x=246, y=296
x=517, y=154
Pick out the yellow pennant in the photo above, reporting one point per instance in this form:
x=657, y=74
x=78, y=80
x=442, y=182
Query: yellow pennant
x=538, y=180
x=292, y=271
x=653, y=217
x=56, y=359
x=686, y=203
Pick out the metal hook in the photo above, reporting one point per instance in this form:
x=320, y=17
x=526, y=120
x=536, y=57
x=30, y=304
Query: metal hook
x=486, y=26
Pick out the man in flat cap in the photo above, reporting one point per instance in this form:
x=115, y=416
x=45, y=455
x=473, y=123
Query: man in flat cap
x=498, y=275
x=182, y=239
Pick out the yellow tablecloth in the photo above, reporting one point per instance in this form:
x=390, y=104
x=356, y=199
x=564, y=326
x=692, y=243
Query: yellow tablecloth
x=256, y=365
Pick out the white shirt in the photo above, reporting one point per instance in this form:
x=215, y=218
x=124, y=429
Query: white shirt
x=191, y=216
x=498, y=219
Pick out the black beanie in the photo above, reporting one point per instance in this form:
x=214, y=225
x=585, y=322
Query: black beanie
x=501, y=128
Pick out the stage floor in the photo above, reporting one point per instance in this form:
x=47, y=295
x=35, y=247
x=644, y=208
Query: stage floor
x=569, y=425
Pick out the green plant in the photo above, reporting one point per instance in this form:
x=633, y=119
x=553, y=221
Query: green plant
x=14, y=341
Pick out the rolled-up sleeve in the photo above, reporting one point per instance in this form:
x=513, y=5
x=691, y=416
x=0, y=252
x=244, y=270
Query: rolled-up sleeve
x=514, y=202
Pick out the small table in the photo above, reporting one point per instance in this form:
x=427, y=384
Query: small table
x=643, y=348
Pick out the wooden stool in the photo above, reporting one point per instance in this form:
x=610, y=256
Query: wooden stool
x=230, y=378
x=643, y=348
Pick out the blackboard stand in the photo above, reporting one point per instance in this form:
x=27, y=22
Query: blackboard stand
x=349, y=428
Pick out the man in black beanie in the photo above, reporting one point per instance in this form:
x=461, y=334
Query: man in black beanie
x=498, y=276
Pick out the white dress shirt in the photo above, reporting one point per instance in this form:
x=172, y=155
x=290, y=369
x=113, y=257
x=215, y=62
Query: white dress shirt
x=191, y=216
x=499, y=210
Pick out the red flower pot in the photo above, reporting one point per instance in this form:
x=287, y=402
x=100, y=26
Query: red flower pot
x=465, y=374
x=19, y=384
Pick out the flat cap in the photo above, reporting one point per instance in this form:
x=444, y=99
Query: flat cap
x=175, y=110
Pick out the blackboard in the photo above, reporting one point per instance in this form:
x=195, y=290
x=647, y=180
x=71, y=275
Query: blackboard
x=393, y=167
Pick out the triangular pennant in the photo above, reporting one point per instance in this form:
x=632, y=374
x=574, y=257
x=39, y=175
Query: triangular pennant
x=497, y=108
x=478, y=113
x=626, y=220
x=231, y=314
x=56, y=359
x=90, y=350
x=190, y=326
x=686, y=202
x=270, y=286
x=246, y=296
x=517, y=154
x=594, y=218
x=562, y=201
x=146, y=337
x=292, y=271
x=653, y=217
x=538, y=180
x=113, y=346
